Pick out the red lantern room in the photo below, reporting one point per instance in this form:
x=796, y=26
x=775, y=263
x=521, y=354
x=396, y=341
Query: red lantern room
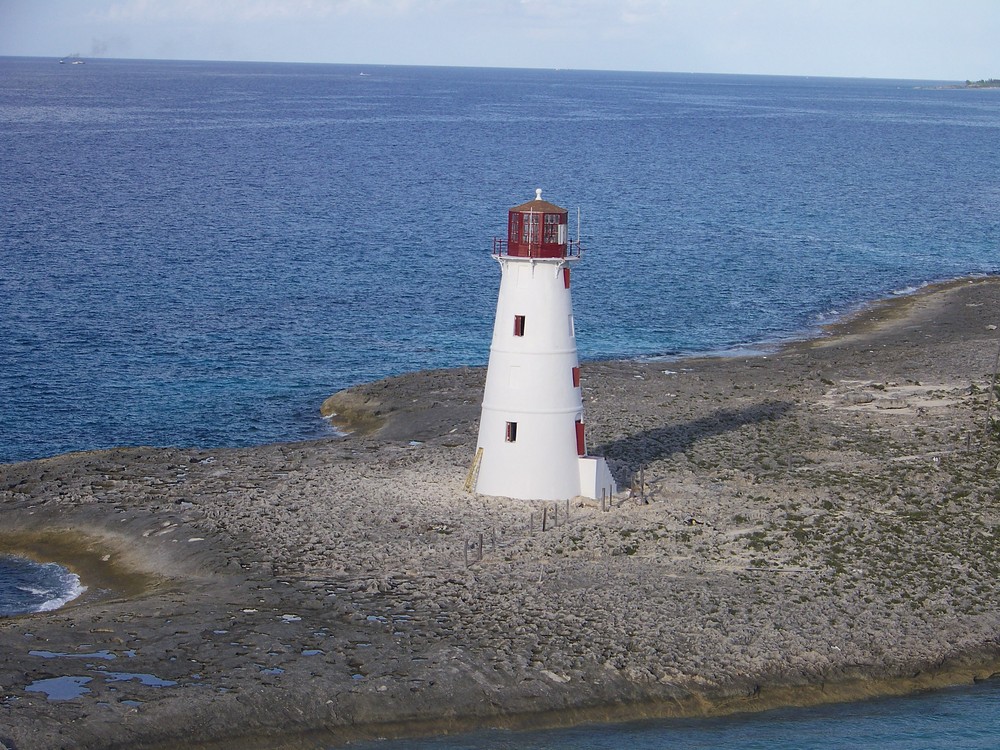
x=538, y=229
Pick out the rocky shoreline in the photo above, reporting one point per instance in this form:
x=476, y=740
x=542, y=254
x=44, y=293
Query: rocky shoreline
x=818, y=524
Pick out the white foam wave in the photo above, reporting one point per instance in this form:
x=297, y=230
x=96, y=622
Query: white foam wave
x=33, y=591
x=70, y=592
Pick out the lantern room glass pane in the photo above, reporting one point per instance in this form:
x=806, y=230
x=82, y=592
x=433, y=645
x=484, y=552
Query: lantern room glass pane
x=530, y=228
x=551, y=234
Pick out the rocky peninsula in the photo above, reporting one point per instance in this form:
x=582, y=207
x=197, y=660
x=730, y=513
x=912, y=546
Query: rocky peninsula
x=818, y=523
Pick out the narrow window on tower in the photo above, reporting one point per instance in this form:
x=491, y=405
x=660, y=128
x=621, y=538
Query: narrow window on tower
x=511, y=432
x=576, y=377
x=566, y=277
x=581, y=442
x=518, y=325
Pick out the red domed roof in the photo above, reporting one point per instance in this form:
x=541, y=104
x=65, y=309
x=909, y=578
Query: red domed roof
x=539, y=206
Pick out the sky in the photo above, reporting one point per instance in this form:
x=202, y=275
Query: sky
x=946, y=40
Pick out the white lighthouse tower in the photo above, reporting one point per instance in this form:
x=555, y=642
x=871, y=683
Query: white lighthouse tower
x=532, y=443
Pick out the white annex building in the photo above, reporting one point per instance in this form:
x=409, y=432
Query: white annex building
x=532, y=443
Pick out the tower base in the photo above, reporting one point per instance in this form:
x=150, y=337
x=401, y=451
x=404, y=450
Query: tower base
x=595, y=482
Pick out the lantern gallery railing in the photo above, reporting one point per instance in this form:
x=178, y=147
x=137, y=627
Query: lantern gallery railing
x=500, y=248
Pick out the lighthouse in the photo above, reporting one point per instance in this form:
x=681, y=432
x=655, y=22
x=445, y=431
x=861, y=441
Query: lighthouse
x=532, y=441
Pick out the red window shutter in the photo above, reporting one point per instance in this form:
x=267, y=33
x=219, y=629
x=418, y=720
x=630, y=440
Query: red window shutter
x=576, y=377
x=566, y=277
x=581, y=442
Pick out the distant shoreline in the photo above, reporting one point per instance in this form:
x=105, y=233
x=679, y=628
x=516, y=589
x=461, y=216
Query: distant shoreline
x=991, y=83
x=817, y=524
x=986, y=83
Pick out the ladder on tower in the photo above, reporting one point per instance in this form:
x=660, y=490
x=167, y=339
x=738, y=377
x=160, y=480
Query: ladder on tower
x=470, y=479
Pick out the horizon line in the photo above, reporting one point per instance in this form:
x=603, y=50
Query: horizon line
x=78, y=56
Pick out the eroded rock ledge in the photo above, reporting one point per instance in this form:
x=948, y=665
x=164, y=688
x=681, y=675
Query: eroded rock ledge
x=818, y=524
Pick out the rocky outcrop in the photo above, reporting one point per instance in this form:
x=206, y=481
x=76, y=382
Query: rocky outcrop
x=819, y=523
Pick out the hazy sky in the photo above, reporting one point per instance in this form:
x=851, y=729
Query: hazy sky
x=924, y=39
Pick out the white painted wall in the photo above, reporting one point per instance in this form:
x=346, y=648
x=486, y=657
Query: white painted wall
x=530, y=382
x=595, y=478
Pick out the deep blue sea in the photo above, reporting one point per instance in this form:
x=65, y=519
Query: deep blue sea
x=197, y=254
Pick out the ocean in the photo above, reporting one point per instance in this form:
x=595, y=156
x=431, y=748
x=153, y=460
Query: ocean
x=964, y=718
x=197, y=254
x=29, y=586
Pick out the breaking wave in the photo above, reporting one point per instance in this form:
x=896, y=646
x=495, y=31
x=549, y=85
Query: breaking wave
x=27, y=586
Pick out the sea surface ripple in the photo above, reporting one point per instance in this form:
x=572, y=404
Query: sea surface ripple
x=196, y=254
